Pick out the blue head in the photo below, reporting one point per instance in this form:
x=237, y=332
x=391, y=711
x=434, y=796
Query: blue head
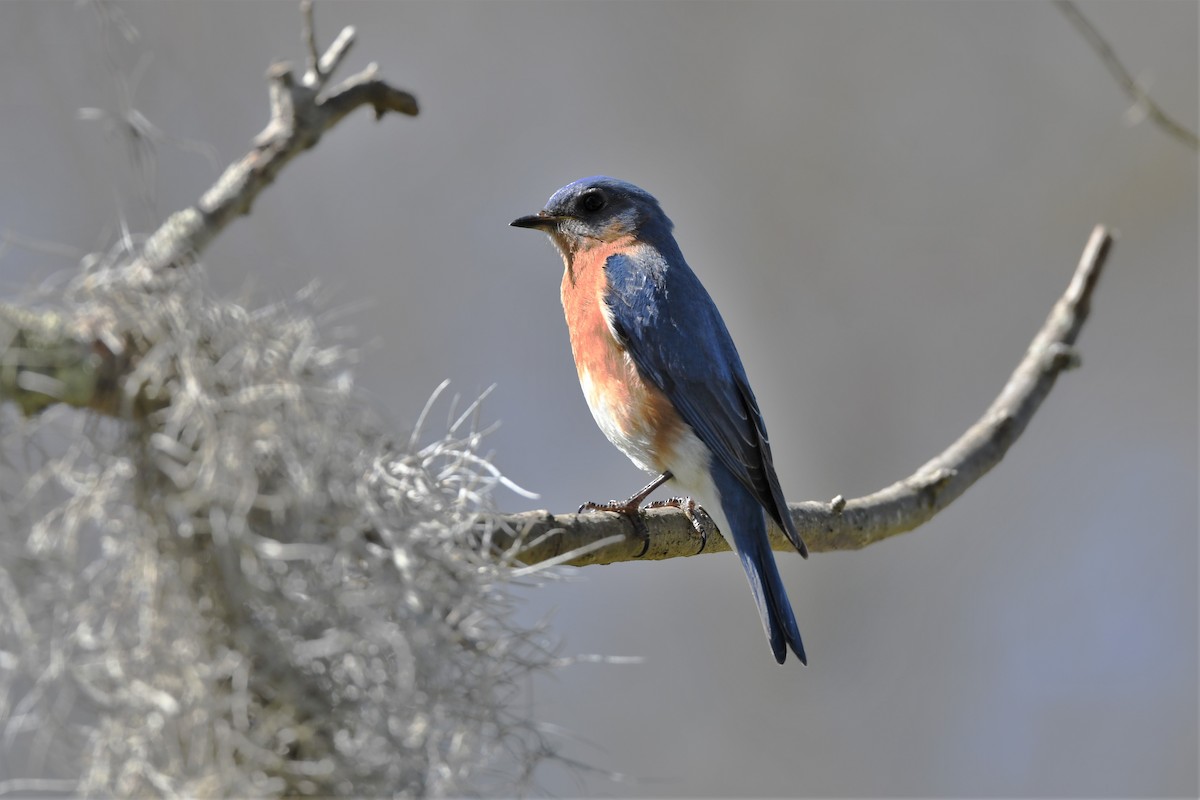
x=599, y=209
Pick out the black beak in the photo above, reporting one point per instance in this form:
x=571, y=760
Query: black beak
x=539, y=221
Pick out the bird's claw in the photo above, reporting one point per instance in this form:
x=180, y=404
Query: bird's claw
x=689, y=508
x=629, y=510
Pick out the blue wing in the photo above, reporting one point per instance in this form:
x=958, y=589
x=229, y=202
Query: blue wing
x=672, y=330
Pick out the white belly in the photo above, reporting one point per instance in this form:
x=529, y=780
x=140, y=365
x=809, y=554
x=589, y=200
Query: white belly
x=687, y=460
x=636, y=443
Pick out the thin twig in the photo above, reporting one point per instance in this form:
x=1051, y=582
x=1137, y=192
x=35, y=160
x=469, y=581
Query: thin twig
x=847, y=524
x=1140, y=96
x=308, y=33
x=336, y=53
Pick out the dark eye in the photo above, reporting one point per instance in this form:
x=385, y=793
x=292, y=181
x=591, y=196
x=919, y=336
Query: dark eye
x=592, y=201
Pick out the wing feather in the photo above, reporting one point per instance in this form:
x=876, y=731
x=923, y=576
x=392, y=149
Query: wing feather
x=671, y=329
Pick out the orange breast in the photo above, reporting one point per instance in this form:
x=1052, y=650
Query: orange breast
x=635, y=415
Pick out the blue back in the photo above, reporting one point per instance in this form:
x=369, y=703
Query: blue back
x=676, y=337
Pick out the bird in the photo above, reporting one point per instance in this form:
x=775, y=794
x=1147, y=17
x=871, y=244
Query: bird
x=663, y=379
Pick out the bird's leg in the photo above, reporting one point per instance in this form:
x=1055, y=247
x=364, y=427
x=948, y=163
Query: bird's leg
x=634, y=503
x=689, y=508
x=632, y=508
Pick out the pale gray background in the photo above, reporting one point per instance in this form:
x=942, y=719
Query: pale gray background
x=884, y=199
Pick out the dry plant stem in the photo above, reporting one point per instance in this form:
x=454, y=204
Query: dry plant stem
x=1144, y=102
x=538, y=536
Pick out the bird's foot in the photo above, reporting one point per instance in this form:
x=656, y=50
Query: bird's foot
x=632, y=508
x=629, y=509
x=690, y=510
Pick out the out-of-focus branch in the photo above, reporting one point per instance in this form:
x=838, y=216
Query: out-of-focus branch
x=46, y=358
x=301, y=112
x=1144, y=102
x=604, y=538
x=42, y=364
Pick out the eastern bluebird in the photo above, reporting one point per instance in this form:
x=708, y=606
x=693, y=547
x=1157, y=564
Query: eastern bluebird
x=663, y=379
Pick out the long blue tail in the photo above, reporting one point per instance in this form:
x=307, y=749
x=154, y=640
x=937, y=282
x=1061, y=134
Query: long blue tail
x=748, y=535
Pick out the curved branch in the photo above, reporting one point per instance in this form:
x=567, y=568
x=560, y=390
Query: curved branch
x=602, y=538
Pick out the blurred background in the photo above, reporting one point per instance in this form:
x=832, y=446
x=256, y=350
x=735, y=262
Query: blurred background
x=883, y=198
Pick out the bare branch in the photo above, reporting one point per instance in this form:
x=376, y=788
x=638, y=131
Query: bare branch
x=318, y=67
x=332, y=59
x=300, y=115
x=44, y=360
x=845, y=524
x=1144, y=102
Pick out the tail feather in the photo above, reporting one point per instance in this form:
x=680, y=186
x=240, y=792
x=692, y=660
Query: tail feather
x=744, y=524
x=778, y=620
